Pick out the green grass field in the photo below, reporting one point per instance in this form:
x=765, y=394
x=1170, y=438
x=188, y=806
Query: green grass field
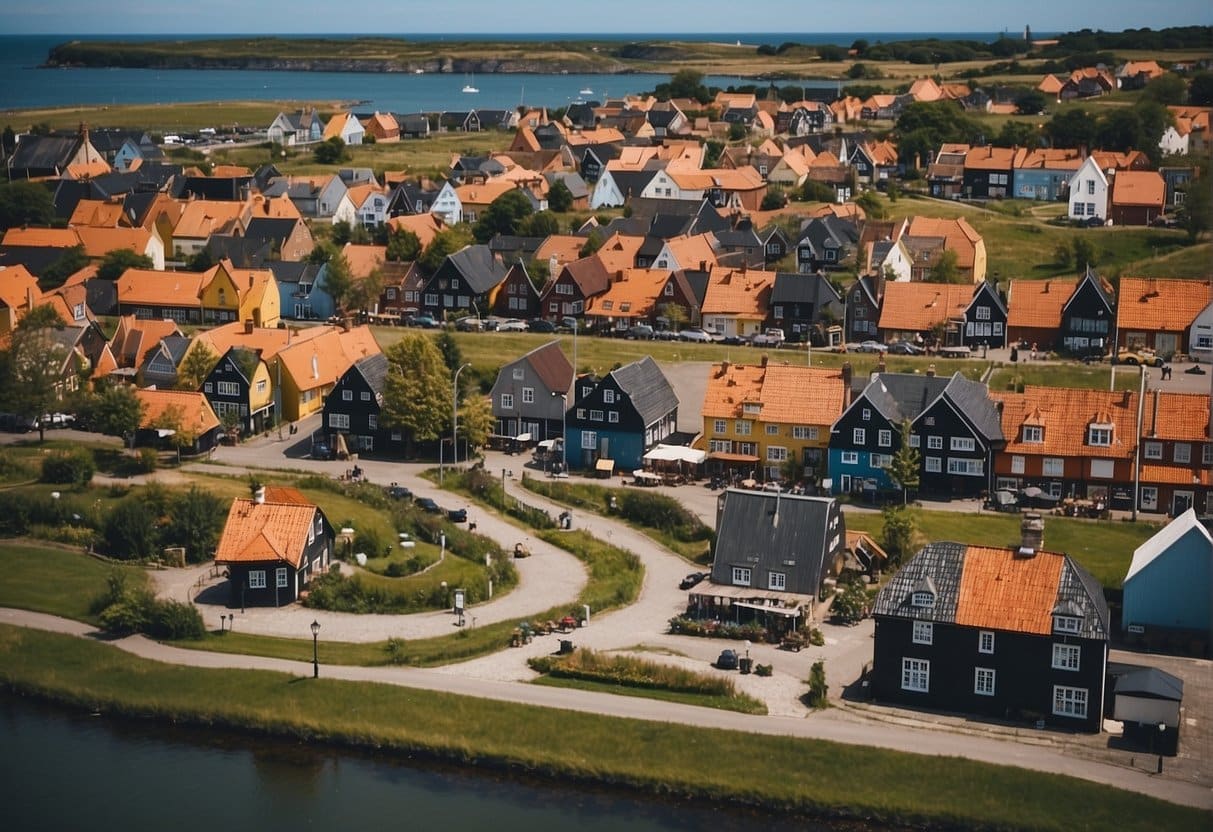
x=813, y=777
x=53, y=579
x=1090, y=377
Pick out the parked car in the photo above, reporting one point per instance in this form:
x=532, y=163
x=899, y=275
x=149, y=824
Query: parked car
x=512, y=325
x=424, y=321
x=1135, y=357
x=1165, y=222
x=428, y=505
x=692, y=579
x=321, y=450
x=727, y=660
x=695, y=334
x=540, y=325
x=665, y=335
x=772, y=337
x=399, y=492
x=1092, y=222
x=905, y=348
x=871, y=346
x=457, y=515
x=640, y=332
x=469, y=324
x=57, y=420
x=567, y=324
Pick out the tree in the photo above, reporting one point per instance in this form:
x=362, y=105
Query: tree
x=1017, y=134
x=31, y=366
x=871, y=205
x=338, y=281
x=116, y=262
x=200, y=262
x=946, y=271
x=860, y=46
x=445, y=242
x=403, y=246
x=1084, y=253
x=904, y=465
x=711, y=153
x=849, y=602
x=1071, y=128
x=195, y=520
x=688, y=83
x=114, y=410
x=8, y=140
x=364, y=293
x=476, y=421
x=322, y=252
x=539, y=224
x=1031, y=102
x=560, y=198
x=1167, y=89
x=592, y=243
x=71, y=261
x=452, y=356
x=183, y=435
x=774, y=199
x=939, y=121
x=1195, y=215
x=1061, y=256
x=503, y=216
x=342, y=233
x=1200, y=91
x=737, y=131
x=331, y=151
x=898, y=531
x=196, y=366
x=25, y=203
x=130, y=531
x=416, y=395
x=814, y=191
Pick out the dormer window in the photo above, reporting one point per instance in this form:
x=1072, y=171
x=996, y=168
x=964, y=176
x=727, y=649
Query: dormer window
x=1067, y=624
x=922, y=599
x=1033, y=433
x=752, y=408
x=1099, y=434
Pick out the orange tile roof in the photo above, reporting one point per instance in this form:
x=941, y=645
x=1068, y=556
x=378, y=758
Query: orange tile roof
x=632, y=158
x=229, y=171
x=194, y=409
x=425, y=226
x=42, y=237
x=483, y=194
x=1050, y=85
x=802, y=395
x=200, y=218
x=1128, y=160
x=274, y=207
x=1000, y=591
x=87, y=170
x=693, y=252
x=359, y=194
x=1176, y=417
x=741, y=292
x=1188, y=119
x=1175, y=475
x=1160, y=304
x=564, y=247
x=99, y=242
x=336, y=125
x=1053, y=158
x=256, y=532
x=619, y=252
x=136, y=337
x=630, y=294
x=98, y=212
x=16, y=287
x=915, y=307
x=1038, y=303
x=960, y=237
x=729, y=385
x=363, y=260
x=320, y=361
x=1139, y=187
x=105, y=363
x=149, y=287
x=1065, y=414
x=925, y=89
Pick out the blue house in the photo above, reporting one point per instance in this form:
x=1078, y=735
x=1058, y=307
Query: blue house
x=1044, y=173
x=1168, y=586
x=616, y=419
x=301, y=291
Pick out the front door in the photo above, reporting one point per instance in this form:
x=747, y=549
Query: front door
x=1149, y=498
x=844, y=484
x=1165, y=343
x=1181, y=501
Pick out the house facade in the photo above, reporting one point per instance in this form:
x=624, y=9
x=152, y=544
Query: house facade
x=240, y=391
x=804, y=306
x=1166, y=587
x=1089, y=190
x=1158, y=314
x=1088, y=318
x=351, y=410
x=621, y=416
x=1176, y=457
x=530, y=394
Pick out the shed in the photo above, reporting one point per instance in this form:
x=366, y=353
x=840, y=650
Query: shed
x=1167, y=585
x=1147, y=701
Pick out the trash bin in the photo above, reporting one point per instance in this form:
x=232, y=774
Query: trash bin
x=566, y=646
x=746, y=665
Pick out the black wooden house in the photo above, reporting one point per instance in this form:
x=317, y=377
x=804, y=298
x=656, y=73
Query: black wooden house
x=985, y=322
x=463, y=282
x=351, y=410
x=803, y=305
x=1088, y=320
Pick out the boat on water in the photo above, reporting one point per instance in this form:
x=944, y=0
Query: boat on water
x=470, y=88
x=586, y=91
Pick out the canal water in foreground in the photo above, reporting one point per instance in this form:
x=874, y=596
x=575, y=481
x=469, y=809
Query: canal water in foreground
x=62, y=770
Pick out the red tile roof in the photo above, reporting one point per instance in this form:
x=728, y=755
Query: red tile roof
x=1159, y=304
x=1001, y=591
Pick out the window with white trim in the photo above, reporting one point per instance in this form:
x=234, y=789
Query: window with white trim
x=849, y=458
x=518, y=373
x=858, y=436
x=776, y=453
x=340, y=421
x=613, y=416
x=741, y=576
x=1207, y=454
x=1017, y=464
x=280, y=577
x=256, y=579
x=924, y=632
x=595, y=415
x=1069, y=701
x=932, y=464
x=983, y=681
x=589, y=440
x=804, y=432
x=777, y=580
x=261, y=386
x=934, y=443
x=528, y=395
x=742, y=427
x=1066, y=624
x=228, y=388
x=347, y=395
x=608, y=396
x=507, y=401
x=967, y=467
x=1066, y=656
x=581, y=413
x=1053, y=466
x=365, y=396
x=884, y=438
x=1153, y=450
x=720, y=426
x=985, y=641
x=916, y=675
x=915, y=440
x=963, y=443
x=1183, y=452
x=922, y=599
x=1099, y=435
x=772, y=430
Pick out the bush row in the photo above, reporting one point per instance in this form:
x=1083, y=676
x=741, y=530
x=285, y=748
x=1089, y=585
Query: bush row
x=629, y=671
x=124, y=611
x=682, y=625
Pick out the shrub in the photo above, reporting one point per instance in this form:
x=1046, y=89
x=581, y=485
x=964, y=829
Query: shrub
x=14, y=468
x=130, y=613
x=146, y=460
x=818, y=689
x=174, y=620
x=74, y=467
x=631, y=672
x=395, y=650
x=816, y=638
x=371, y=541
x=764, y=669
x=130, y=531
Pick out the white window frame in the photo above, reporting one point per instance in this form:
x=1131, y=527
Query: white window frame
x=915, y=440
x=341, y=421
x=281, y=577
x=776, y=454
x=742, y=575
x=1018, y=464
x=923, y=632
x=1183, y=453
x=858, y=436
x=1152, y=450
x=507, y=401
x=983, y=681
x=1067, y=624
x=922, y=599
x=365, y=396
x=595, y=415
x=347, y=395
x=608, y=396
x=884, y=438
x=720, y=426
x=934, y=443
x=1099, y=436
x=1067, y=657
x=963, y=443
x=1053, y=466
x=985, y=641
x=256, y=579
x=742, y=427
x=932, y=465
x=777, y=580
x=528, y=395
x=916, y=675
x=1071, y=702
x=772, y=430
x=227, y=388
x=849, y=458
x=804, y=432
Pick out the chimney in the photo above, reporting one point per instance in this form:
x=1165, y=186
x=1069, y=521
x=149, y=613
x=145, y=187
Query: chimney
x=931, y=370
x=848, y=373
x=315, y=366
x=248, y=326
x=724, y=369
x=1125, y=399
x=250, y=280
x=259, y=496
x=1032, y=534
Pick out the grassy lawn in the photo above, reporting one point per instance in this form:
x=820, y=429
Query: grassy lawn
x=815, y=777
x=1194, y=261
x=1103, y=547
x=723, y=703
x=1090, y=377
x=47, y=578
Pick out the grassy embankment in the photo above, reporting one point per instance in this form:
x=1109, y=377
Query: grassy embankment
x=44, y=577
x=814, y=778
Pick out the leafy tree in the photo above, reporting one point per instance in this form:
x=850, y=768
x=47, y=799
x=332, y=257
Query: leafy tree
x=1031, y=102
x=476, y=421
x=814, y=191
x=737, y=131
x=200, y=262
x=331, y=151
x=114, y=410
x=904, y=465
x=1195, y=215
x=1200, y=91
x=688, y=83
x=1017, y=134
x=1166, y=89
x=416, y=396
x=452, y=356
x=818, y=689
x=937, y=122
x=860, y=46
x=130, y=531
x=850, y=602
x=539, y=224
x=503, y=216
x=342, y=233
x=711, y=153
x=30, y=366
x=25, y=203
x=338, y=281
x=1071, y=128
x=445, y=242
x=872, y=207
x=560, y=198
x=1084, y=253
x=403, y=246
x=898, y=531
x=119, y=260
x=774, y=199
x=364, y=293
x=831, y=53
x=592, y=243
x=195, y=521
x=1061, y=256
x=539, y=272
x=196, y=366
x=71, y=261
x=946, y=271
x=8, y=140
x=183, y=433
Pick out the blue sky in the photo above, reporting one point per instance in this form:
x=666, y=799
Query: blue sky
x=644, y=16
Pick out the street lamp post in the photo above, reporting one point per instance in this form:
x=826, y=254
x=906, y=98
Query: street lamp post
x=564, y=428
x=455, y=415
x=315, y=649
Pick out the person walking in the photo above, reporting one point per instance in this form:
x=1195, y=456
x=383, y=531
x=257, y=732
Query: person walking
x=1032, y=355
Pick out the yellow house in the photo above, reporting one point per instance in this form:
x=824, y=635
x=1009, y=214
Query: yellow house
x=240, y=388
x=231, y=294
x=766, y=418
x=310, y=369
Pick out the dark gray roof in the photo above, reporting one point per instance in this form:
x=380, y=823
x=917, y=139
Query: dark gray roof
x=576, y=185
x=627, y=226
x=942, y=564
x=901, y=396
x=1149, y=682
x=748, y=535
x=828, y=232
x=648, y=389
x=972, y=399
x=225, y=188
x=245, y=253
x=738, y=238
x=374, y=370
x=43, y=153
x=631, y=182
x=792, y=287
x=478, y=267
x=651, y=247
x=288, y=272
x=271, y=228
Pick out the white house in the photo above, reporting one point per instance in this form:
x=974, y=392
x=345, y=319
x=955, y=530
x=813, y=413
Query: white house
x=1173, y=142
x=346, y=127
x=891, y=259
x=447, y=205
x=370, y=204
x=1089, y=191
x=606, y=193
x=1200, y=336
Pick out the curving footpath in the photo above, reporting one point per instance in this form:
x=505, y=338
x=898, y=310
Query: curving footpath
x=826, y=725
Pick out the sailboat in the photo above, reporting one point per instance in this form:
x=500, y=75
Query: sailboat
x=468, y=86
x=585, y=91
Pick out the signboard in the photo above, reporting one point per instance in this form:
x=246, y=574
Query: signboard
x=1137, y=629
x=459, y=600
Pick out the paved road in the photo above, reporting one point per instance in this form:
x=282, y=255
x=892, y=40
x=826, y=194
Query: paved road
x=832, y=725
